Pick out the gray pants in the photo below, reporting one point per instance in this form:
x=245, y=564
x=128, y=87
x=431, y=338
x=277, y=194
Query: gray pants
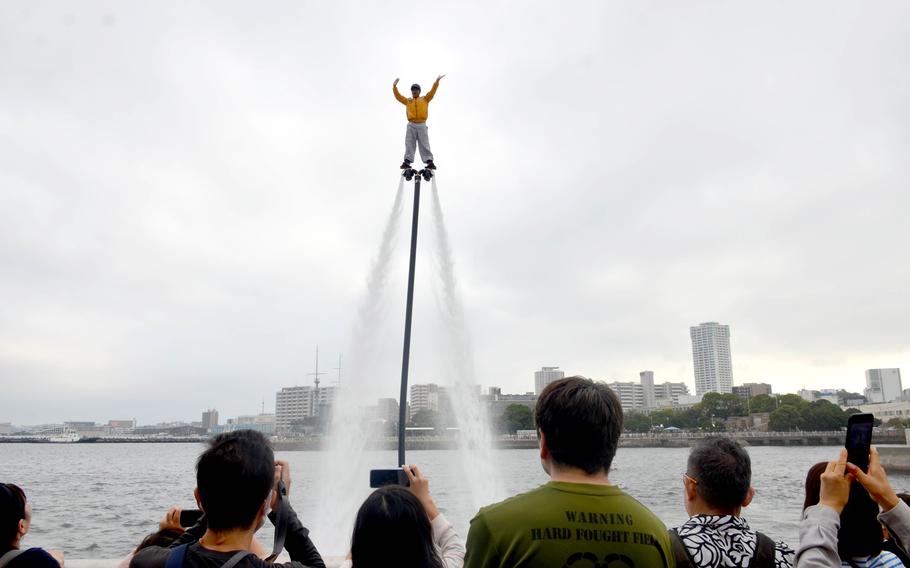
x=417, y=135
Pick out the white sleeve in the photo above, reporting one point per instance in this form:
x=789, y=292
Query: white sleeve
x=446, y=540
x=348, y=563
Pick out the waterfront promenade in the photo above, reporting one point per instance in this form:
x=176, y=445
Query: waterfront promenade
x=629, y=440
x=523, y=442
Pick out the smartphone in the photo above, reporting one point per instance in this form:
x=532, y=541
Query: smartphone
x=859, y=439
x=382, y=477
x=189, y=517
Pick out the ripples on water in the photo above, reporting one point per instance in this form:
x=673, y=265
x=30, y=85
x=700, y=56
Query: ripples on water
x=99, y=500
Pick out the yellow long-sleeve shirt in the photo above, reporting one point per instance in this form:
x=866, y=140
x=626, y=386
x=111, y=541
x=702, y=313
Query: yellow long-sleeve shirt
x=417, y=108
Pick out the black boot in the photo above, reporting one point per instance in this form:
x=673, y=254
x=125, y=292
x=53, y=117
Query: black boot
x=431, y=165
x=406, y=165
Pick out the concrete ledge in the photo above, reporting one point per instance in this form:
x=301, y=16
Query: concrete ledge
x=895, y=459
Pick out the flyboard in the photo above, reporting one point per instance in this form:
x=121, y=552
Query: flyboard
x=426, y=174
x=397, y=476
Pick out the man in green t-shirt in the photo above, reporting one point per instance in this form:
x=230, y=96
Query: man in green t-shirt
x=578, y=519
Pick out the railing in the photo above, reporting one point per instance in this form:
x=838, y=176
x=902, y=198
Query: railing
x=755, y=434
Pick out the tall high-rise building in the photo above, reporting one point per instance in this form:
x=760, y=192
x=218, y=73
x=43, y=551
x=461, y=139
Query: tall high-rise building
x=647, y=388
x=295, y=403
x=545, y=376
x=883, y=385
x=210, y=418
x=711, y=358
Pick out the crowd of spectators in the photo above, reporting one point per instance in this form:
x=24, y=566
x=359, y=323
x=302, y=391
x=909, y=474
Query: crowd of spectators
x=851, y=518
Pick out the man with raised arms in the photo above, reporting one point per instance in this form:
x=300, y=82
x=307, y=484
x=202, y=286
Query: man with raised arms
x=417, y=133
x=579, y=518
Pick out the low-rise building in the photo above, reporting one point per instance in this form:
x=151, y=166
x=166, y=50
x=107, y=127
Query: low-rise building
x=886, y=410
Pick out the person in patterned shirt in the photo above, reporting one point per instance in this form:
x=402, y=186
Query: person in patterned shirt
x=718, y=485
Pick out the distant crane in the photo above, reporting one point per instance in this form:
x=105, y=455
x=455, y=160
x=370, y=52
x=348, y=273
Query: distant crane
x=338, y=368
x=316, y=382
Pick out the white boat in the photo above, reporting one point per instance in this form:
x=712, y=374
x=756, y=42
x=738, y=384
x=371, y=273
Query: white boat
x=65, y=438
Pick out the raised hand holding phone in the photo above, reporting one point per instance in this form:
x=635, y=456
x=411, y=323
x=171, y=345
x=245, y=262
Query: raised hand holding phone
x=875, y=481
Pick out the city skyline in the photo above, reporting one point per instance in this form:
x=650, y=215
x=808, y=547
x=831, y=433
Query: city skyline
x=304, y=400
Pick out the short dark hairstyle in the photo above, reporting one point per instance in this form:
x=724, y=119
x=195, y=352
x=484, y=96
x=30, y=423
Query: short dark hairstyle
x=12, y=510
x=860, y=533
x=234, y=476
x=392, y=523
x=722, y=470
x=581, y=420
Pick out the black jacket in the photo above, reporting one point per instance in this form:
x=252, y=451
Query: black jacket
x=297, y=543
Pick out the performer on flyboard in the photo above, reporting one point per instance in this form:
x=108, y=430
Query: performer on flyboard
x=417, y=134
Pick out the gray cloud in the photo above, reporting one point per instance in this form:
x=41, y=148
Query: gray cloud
x=190, y=196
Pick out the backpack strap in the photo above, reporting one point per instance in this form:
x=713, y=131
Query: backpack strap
x=176, y=556
x=683, y=560
x=765, y=550
x=282, y=517
x=236, y=559
x=10, y=556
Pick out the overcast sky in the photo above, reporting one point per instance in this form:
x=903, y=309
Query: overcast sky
x=191, y=194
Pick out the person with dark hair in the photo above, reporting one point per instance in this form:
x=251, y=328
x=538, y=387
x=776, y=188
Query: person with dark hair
x=238, y=482
x=169, y=530
x=579, y=517
x=418, y=133
x=15, y=520
x=717, y=485
x=403, y=524
x=840, y=525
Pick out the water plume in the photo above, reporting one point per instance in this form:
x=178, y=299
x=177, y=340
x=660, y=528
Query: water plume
x=475, y=437
x=341, y=482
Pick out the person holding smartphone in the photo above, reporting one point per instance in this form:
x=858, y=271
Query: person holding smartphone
x=238, y=485
x=402, y=526
x=823, y=540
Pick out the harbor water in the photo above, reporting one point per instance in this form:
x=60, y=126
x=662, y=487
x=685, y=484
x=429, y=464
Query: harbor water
x=99, y=500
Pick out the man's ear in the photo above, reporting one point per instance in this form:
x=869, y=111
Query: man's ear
x=691, y=489
x=198, y=500
x=544, y=448
x=22, y=529
x=749, y=496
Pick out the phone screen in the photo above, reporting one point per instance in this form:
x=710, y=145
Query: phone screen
x=859, y=439
x=382, y=477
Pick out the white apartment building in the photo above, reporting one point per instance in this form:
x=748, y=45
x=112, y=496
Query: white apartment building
x=294, y=403
x=711, y=358
x=545, y=376
x=883, y=385
x=630, y=394
x=428, y=396
x=668, y=393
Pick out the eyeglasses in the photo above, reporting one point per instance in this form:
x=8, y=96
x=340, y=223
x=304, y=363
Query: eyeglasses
x=690, y=478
